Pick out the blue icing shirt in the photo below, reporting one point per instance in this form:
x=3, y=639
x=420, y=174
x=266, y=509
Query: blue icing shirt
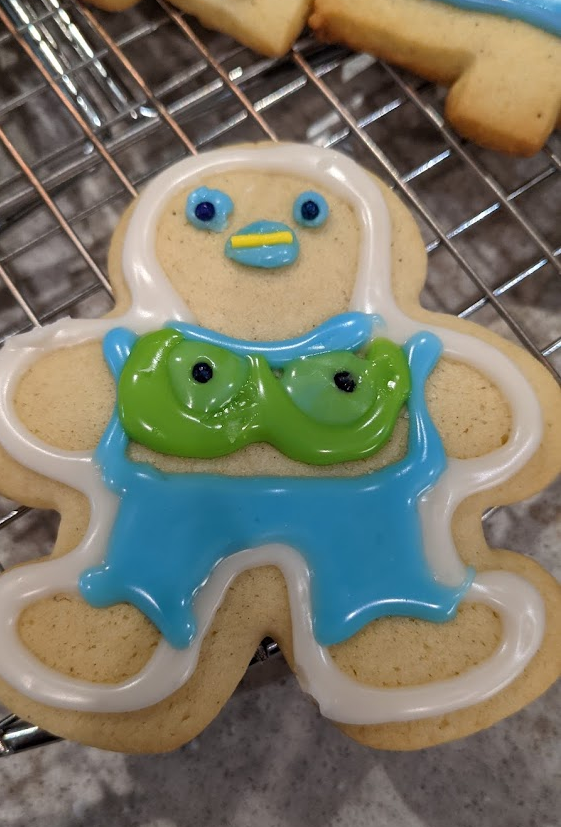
x=360, y=536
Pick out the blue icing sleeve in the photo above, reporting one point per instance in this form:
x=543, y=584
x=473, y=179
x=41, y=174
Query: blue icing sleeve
x=360, y=536
x=117, y=346
x=347, y=331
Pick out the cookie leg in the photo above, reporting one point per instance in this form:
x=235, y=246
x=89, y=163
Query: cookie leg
x=27, y=674
x=347, y=701
x=102, y=587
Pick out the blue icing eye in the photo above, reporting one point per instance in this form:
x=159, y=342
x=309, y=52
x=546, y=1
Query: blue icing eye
x=310, y=209
x=208, y=209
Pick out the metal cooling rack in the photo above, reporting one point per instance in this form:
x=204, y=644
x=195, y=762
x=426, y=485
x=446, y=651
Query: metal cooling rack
x=93, y=105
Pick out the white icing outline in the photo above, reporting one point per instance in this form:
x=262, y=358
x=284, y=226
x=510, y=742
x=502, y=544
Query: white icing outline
x=154, y=301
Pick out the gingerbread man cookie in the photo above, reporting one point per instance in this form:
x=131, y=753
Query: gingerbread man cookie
x=269, y=436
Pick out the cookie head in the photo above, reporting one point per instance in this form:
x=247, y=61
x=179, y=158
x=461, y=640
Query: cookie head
x=257, y=239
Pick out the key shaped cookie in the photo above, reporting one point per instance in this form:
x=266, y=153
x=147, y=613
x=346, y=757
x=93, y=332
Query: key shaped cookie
x=500, y=58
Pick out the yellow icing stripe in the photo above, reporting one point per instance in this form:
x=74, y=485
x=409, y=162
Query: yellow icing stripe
x=261, y=239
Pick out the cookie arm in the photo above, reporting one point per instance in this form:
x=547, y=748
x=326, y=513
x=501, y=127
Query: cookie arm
x=23, y=445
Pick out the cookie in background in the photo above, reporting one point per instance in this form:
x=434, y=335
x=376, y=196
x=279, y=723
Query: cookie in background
x=501, y=60
x=269, y=28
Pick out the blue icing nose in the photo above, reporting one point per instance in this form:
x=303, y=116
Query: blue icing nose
x=263, y=244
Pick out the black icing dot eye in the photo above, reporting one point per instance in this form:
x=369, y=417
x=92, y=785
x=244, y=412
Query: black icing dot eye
x=205, y=211
x=344, y=381
x=309, y=210
x=202, y=372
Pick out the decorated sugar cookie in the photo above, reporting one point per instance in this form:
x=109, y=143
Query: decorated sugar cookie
x=501, y=58
x=268, y=436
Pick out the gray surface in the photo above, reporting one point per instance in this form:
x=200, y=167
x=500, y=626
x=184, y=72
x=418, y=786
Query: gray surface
x=269, y=759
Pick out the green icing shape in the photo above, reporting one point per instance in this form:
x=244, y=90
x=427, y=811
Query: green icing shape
x=301, y=412
x=310, y=384
x=229, y=375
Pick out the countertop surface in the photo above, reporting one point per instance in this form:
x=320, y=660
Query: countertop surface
x=269, y=759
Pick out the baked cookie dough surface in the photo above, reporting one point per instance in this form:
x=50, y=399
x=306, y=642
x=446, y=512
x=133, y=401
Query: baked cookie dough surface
x=266, y=27
x=501, y=60
x=65, y=400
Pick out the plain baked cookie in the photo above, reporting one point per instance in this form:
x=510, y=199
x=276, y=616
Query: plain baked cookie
x=298, y=450
x=504, y=74
x=501, y=60
x=266, y=27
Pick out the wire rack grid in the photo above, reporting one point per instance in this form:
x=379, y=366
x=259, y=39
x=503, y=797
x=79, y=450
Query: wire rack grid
x=93, y=105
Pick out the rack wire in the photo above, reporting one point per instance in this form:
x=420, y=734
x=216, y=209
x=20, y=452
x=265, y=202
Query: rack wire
x=93, y=105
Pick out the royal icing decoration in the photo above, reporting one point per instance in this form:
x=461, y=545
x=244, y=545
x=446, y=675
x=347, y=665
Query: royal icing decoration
x=380, y=573
x=208, y=209
x=342, y=386
x=544, y=14
x=310, y=209
x=264, y=244
x=190, y=399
